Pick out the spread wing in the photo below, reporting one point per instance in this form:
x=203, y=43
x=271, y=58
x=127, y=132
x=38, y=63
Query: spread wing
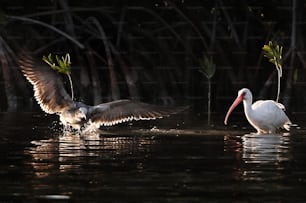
x=120, y=111
x=48, y=88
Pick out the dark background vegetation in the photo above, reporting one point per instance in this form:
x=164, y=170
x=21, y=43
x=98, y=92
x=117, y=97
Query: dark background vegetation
x=150, y=50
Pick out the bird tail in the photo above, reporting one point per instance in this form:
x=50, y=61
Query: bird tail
x=288, y=125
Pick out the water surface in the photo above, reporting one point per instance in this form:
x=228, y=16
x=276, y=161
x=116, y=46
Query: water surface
x=160, y=161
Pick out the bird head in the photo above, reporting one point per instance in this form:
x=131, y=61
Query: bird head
x=243, y=95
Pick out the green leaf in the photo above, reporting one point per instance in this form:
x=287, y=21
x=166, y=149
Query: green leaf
x=63, y=63
x=207, y=67
x=50, y=58
x=273, y=52
x=266, y=48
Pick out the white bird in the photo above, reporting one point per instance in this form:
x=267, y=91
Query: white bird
x=52, y=97
x=266, y=116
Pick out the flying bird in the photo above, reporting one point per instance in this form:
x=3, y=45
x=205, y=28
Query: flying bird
x=266, y=116
x=52, y=97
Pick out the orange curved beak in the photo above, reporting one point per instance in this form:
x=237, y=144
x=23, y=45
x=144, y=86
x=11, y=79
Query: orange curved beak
x=235, y=103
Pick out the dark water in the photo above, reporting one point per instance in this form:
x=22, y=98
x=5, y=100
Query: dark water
x=41, y=164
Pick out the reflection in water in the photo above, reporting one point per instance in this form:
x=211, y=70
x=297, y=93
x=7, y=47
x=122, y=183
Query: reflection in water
x=188, y=165
x=70, y=151
x=264, y=156
x=261, y=156
x=265, y=148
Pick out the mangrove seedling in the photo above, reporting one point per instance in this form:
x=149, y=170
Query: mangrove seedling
x=273, y=52
x=62, y=66
x=208, y=69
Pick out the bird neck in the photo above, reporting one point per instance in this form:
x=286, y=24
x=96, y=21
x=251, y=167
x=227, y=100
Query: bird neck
x=247, y=105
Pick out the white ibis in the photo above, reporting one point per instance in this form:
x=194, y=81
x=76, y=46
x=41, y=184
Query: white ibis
x=52, y=97
x=266, y=116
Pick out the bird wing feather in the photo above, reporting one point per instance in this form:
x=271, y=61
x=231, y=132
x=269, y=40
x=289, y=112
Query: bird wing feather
x=112, y=113
x=271, y=103
x=269, y=110
x=48, y=88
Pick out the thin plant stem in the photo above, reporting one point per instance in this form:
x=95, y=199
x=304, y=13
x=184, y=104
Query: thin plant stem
x=278, y=89
x=71, y=86
x=279, y=75
x=209, y=102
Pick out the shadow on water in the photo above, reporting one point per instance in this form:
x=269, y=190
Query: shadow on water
x=148, y=163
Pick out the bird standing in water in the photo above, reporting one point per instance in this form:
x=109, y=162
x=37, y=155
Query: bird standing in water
x=266, y=116
x=52, y=97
